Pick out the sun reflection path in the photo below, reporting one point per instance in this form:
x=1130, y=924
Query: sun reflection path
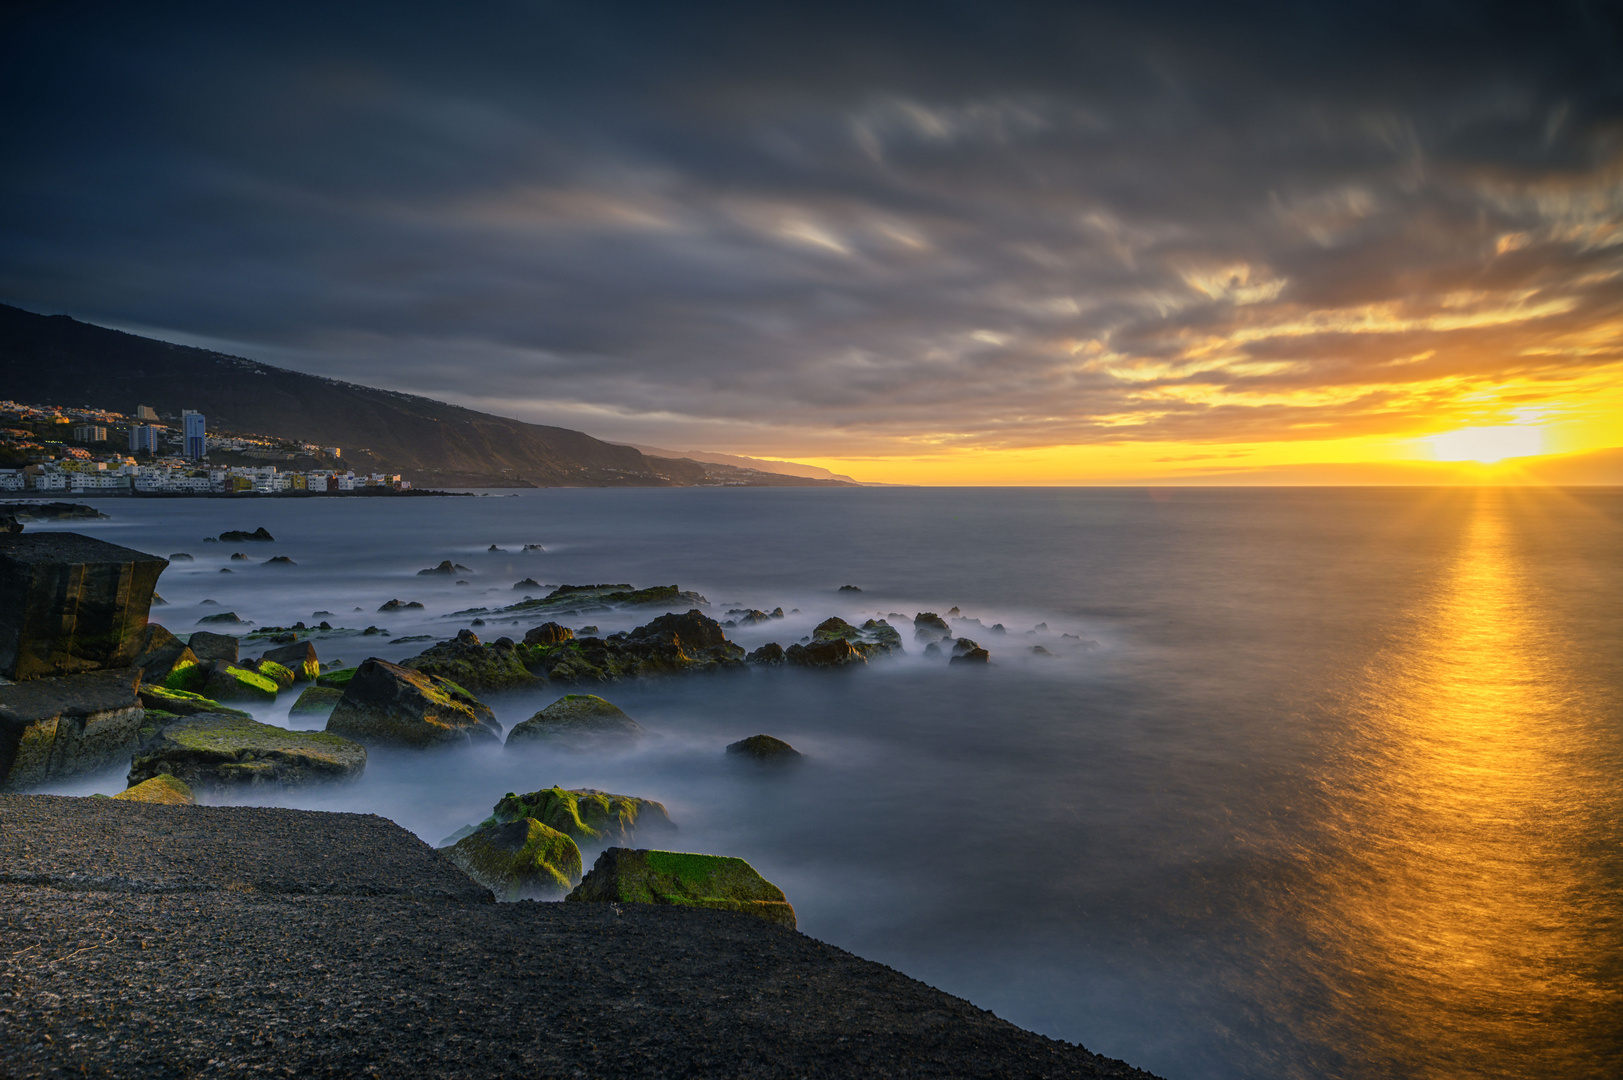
x=1472, y=929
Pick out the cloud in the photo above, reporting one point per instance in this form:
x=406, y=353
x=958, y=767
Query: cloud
x=843, y=230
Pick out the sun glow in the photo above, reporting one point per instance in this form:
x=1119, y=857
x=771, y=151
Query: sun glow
x=1488, y=444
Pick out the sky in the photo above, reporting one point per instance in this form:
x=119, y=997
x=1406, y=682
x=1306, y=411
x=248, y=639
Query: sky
x=939, y=243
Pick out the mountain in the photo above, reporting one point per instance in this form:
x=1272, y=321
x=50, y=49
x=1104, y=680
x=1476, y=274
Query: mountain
x=738, y=461
x=56, y=360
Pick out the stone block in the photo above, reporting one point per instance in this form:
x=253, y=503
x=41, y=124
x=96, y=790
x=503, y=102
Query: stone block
x=60, y=727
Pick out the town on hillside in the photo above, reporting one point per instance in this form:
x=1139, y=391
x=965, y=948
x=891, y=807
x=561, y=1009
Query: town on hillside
x=51, y=449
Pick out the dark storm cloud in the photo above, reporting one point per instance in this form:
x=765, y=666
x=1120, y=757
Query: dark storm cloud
x=828, y=229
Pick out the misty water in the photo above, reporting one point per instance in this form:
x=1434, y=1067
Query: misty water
x=1336, y=790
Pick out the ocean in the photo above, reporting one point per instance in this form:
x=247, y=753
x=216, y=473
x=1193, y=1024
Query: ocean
x=1316, y=783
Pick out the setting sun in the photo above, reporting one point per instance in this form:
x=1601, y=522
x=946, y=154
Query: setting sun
x=1488, y=444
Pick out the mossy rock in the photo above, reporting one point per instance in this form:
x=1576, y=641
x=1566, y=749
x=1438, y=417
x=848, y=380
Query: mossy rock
x=876, y=636
x=316, y=701
x=279, y=674
x=188, y=678
x=227, y=682
x=220, y=751
x=764, y=748
x=575, y=718
x=392, y=705
x=338, y=678
x=627, y=876
x=519, y=860
x=162, y=788
x=183, y=703
x=469, y=662
x=298, y=657
x=589, y=816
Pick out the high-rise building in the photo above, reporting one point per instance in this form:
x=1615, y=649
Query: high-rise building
x=196, y=434
x=143, y=439
x=146, y=414
x=89, y=433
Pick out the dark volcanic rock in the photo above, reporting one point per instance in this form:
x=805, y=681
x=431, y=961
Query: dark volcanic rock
x=671, y=644
x=630, y=876
x=574, y=719
x=58, y=727
x=298, y=657
x=928, y=626
x=238, y=534
x=589, y=817
x=473, y=665
x=70, y=604
x=183, y=702
x=849, y=589
x=873, y=638
x=519, y=860
x=316, y=701
x=549, y=634
x=527, y=583
x=770, y=653
x=223, y=681
x=279, y=560
x=764, y=748
x=973, y=656
x=446, y=568
x=826, y=654
x=237, y=556
x=390, y=705
x=226, y=618
x=223, y=751
x=211, y=646
x=396, y=605
x=162, y=789
x=163, y=656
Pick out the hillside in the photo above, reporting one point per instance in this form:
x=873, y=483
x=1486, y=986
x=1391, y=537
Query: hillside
x=54, y=359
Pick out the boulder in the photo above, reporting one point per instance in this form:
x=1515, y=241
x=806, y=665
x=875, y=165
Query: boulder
x=238, y=534
x=973, y=656
x=519, y=860
x=770, y=653
x=396, y=605
x=550, y=633
x=470, y=663
x=446, y=568
x=527, y=583
x=588, y=816
x=71, y=604
x=316, y=701
x=671, y=644
x=337, y=677
x=298, y=657
x=279, y=560
x=164, y=656
x=182, y=703
x=764, y=748
x=631, y=876
x=211, y=646
x=270, y=669
x=873, y=638
x=219, y=751
x=180, y=556
x=750, y=616
x=962, y=646
x=575, y=718
x=239, y=556
x=825, y=654
x=228, y=682
x=163, y=788
x=60, y=727
x=928, y=626
x=391, y=705
x=849, y=589
x=227, y=618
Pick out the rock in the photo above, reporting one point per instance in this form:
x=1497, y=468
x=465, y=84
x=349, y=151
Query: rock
x=298, y=657
x=58, y=727
x=396, y=605
x=628, y=876
x=751, y=616
x=873, y=638
x=933, y=649
x=580, y=599
x=549, y=634
x=158, y=601
x=223, y=570
x=211, y=646
x=279, y=560
x=237, y=556
x=928, y=626
x=71, y=604
x=962, y=646
x=973, y=656
x=849, y=589
x=163, y=788
x=827, y=654
x=588, y=816
x=270, y=669
x=446, y=568
x=391, y=705
x=1038, y=650
x=228, y=682
x=228, y=618
x=519, y=860
x=183, y=702
x=10, y=524
x=953, y=611
x=999, y=628
x=164, y=656
x=770, y=653
x=493, y=547
x=219, y=751
x=179, y=556
x=534, y=547
x=471, y=664
x=527, y=583
x=337, y=677
x=316, y=701
x=575, y=718
x=237, y=534
x=763, y=748
x=670, y=644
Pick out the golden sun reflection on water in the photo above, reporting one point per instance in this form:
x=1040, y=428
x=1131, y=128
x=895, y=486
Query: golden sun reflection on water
x=1462, y=903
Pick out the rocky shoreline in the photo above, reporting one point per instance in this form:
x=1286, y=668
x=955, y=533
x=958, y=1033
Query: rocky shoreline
x=160, y=941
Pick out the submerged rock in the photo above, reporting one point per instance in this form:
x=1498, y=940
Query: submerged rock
x=279, y=560
x=163, y=789
x=396, y=605
x=575, y=718
x=527, y=583
x=849, y=589
x=316, y=701
x=59, y=727
x=259, y=534
x=471, y=664
x=228, y=618
x=71, y=604
x=588, y=816
x=219, y=751
x=391, y=705
x=628, y=876
x=519, y=860
x=763, y=748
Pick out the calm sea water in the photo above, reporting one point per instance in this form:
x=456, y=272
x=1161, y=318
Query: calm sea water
x=1338, y=792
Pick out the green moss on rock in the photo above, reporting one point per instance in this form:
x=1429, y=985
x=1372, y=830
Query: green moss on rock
x=469, y=662
x=316, y=701
x=575, y=718
x=519, y=860
x=589, y=816
x=279, y=674
x=162, y=788
x=183, y=703
x=338, y=678
x=389, y=704
x=227, y=682
x=220, y=751
x=684, y=879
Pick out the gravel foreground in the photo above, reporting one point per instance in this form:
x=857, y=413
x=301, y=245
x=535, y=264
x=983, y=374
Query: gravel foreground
x=178, y=941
